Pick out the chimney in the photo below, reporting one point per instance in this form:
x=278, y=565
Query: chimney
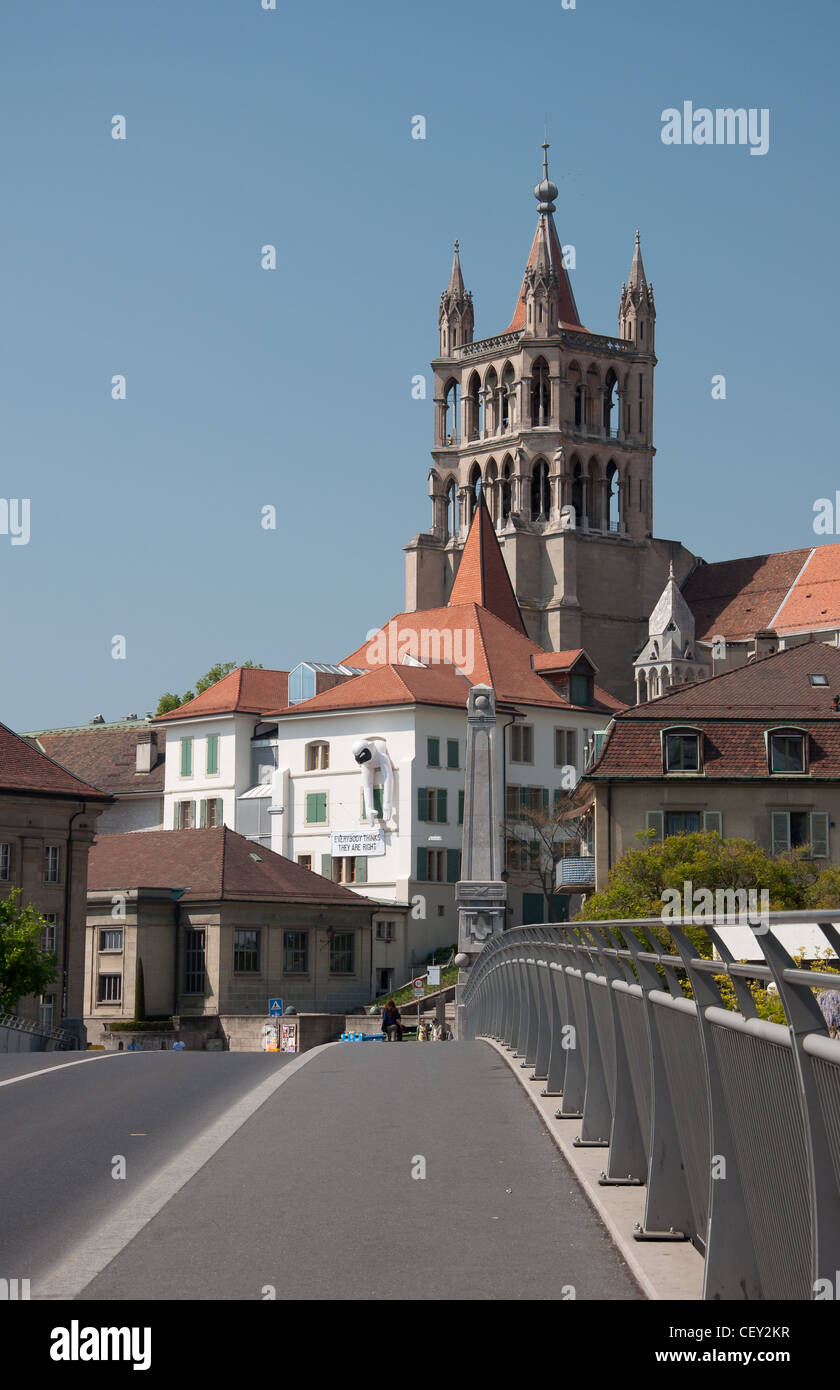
x=766, y=643
x=146, y=750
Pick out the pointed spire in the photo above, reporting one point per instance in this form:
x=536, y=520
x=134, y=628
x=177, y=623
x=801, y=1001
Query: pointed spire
x=482, y=576
x=547, y=255
x=455, y=316
x=671, y=608
x=456, y=279
x=637, y=270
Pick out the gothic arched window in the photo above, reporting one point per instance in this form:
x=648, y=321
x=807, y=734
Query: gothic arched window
x=475, y=489
x=611, y=405
x=613, y=497
x=540, y=393
x=508, y=398
x=452, y=400
x=451, y=509
x=540, y=494
x=506, y=490
x=475, y=407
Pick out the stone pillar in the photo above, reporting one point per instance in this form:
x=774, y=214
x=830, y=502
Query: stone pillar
x=463, y=512
x=480, y=893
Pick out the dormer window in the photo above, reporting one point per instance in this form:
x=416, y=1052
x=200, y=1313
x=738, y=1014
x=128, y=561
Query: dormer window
x=580, y=690
x=786, y=750
x=681, y=750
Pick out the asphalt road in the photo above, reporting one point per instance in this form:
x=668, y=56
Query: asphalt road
x=313, y=1196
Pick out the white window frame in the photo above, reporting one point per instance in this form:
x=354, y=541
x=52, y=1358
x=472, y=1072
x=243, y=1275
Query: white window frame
x=52, y=865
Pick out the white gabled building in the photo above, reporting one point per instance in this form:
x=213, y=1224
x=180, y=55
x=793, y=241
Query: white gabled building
x=255, y=753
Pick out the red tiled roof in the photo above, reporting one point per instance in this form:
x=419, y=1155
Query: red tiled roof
x=568, y=309
x=23, y=768
x=247, y=690
x=734, y=709
x=482, y=576
x=107, y=758
x=814, y=602
x=499, y=655
x=389, y=685
x=559, y=661
x=736, y=599
x=208, y=865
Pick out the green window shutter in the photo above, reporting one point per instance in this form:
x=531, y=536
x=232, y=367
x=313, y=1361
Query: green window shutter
x=819, y=835
x=192, y=815
x=422, y=863
x=361, y=868
x=441, y=806
x=558, y=799
x=779, y=832
x=524, y=799
x=453, y=865
x=655, y=820
x=452, y=752
x=433, y=752
x=212, y=753
x=186, y=757
x=377, y=800
x=422, y=804
x=326, y=865
x=461, y=796
x=713, y=820
x=316, y=807
x=203, y=815
x=545, y=798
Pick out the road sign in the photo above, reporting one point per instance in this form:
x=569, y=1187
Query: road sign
x=433, y=975
x=419, y=987
x=275, y=1008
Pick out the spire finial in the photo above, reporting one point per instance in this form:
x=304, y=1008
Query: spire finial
x=671, y=570
x=545, y=191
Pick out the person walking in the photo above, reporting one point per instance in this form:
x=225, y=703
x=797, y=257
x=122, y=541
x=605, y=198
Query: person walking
x=392, y=1022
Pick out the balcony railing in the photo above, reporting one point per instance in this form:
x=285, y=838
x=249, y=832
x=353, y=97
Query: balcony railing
x=577, y=870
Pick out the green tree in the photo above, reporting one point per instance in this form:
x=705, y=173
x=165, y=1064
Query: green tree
x=169, y=702
x=24, y=967
x=704, y=860
x=637, y=882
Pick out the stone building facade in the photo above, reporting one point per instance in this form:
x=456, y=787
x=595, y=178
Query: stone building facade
x=554, y=425
x=48, y=819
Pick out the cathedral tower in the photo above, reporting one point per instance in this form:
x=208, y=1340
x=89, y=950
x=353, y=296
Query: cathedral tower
x=554, y=425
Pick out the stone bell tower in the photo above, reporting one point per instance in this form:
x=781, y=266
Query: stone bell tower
x=554, y=425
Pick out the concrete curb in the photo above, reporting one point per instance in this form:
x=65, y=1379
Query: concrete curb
x=662, y=1271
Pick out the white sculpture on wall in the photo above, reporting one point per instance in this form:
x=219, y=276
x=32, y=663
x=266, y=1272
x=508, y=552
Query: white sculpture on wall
x=372, y=756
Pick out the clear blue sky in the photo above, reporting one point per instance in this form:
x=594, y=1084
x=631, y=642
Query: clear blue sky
x=247, y=387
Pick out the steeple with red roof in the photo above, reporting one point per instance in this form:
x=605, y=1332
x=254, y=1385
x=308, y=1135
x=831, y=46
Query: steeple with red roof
x=482, y=576
x=546, y=300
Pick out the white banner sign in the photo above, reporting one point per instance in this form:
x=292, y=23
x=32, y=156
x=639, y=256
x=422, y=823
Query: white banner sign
x=353, y=842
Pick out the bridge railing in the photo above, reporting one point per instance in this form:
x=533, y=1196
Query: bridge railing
x=731, y=1122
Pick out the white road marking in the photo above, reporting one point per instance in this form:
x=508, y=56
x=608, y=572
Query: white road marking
x=50, y=1071
x=70, y=1276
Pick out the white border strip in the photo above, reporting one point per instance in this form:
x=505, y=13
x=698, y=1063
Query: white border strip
x=51, y=1071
